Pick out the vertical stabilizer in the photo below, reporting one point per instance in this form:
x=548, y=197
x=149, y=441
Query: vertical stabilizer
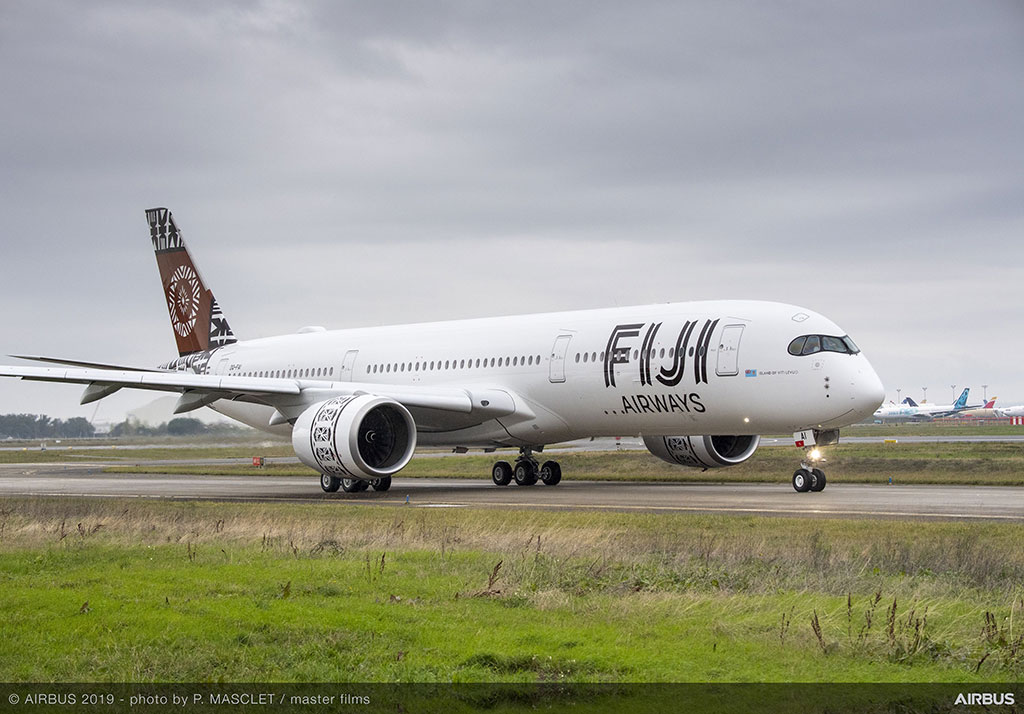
x=198, y=322
x=962, y=401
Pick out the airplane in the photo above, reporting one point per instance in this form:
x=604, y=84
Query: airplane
x=1010, y=411
x=910, y=410
x=699, y=381
x=988, y=409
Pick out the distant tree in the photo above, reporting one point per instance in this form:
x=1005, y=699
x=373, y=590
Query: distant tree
x=25, y=426
x=77, y=428
x=183, y=426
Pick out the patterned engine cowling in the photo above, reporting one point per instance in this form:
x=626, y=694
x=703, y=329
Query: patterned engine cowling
x=361, y=436
x=703, y=452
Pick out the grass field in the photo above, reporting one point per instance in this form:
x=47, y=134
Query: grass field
x=127, y=591
x=997, y=463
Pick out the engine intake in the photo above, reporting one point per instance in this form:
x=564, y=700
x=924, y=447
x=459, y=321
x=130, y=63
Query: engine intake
x=703, y=452
x=361, y=436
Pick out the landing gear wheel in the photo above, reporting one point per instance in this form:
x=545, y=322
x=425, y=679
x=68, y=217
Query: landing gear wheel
x=381, y=484
x=818, y=480
x=329, y=483
x=501, y=473
x=550, y=473
x=802, y=480
x=525, y=473
x=354, y=485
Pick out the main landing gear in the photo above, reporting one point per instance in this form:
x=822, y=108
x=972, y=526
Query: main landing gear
x=331, y=484
x=526, y=471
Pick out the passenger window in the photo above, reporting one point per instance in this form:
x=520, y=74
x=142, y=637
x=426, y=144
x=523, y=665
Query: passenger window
x=812, y=345
x=797, y=345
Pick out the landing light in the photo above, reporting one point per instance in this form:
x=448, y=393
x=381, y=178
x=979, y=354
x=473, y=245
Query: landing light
x=746, y=420
x=815, y=454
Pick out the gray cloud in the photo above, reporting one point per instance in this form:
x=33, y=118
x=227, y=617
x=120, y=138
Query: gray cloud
x=863, y=160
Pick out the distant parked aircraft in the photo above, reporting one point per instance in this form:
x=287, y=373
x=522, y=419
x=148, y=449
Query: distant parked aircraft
x=1011, y=411
x=988, y=410
x=911, y=411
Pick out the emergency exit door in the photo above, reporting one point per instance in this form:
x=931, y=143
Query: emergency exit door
x=729, y=351
x=558, y=352
x=348, y=364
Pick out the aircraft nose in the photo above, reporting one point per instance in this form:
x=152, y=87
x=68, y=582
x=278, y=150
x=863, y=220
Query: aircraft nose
x=868, y=392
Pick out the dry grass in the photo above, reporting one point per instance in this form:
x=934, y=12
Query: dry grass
x=747, y=554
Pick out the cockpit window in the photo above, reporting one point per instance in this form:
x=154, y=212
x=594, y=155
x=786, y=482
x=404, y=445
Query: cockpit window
x=832, y=344
x=812, y=344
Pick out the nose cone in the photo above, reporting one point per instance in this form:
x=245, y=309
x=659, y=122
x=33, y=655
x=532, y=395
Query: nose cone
x=868, y=392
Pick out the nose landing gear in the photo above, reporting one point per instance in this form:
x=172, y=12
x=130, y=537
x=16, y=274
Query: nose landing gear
x=809, y=477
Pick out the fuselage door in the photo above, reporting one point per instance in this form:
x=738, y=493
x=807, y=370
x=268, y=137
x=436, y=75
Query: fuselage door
x=729, y=351
x=348, y=364
x=222, y=366
x=558, y=352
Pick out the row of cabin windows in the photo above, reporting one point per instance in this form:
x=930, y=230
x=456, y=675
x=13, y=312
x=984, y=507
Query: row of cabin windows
x=650, y=354
x=291, y=373
x=436, y=365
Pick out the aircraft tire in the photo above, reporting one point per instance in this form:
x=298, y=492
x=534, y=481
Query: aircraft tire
x=525, y=474
x=381, y=484
x=329, y=483
x=818, y=480
x=501, y=473
x=801, y=480
x=550, y=473
x=354, y=485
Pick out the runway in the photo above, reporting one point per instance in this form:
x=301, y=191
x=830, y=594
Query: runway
x=995, y=503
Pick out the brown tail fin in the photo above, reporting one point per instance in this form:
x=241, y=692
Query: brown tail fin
x=198, y=323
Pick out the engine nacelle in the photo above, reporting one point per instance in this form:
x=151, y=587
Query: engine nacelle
x=703, y=452
x=362, y=436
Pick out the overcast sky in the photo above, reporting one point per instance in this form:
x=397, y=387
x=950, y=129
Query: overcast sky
x=349, y=164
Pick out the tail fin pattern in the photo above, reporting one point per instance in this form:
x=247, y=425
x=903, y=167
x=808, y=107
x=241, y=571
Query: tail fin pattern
x=199, y=325
x=962, y=401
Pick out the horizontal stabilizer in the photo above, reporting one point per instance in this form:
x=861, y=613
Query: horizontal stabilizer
x=82, y=363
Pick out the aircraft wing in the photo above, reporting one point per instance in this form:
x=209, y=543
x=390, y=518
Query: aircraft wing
x=289, y=396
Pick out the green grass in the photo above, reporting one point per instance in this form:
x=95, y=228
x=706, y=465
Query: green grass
x=997, y=463
x=128, y=591
x=112, y=452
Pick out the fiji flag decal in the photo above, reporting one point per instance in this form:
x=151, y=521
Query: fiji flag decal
x=750, y=373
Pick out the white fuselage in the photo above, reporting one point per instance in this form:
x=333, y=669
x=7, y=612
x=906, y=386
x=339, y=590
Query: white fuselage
x=609, y=372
